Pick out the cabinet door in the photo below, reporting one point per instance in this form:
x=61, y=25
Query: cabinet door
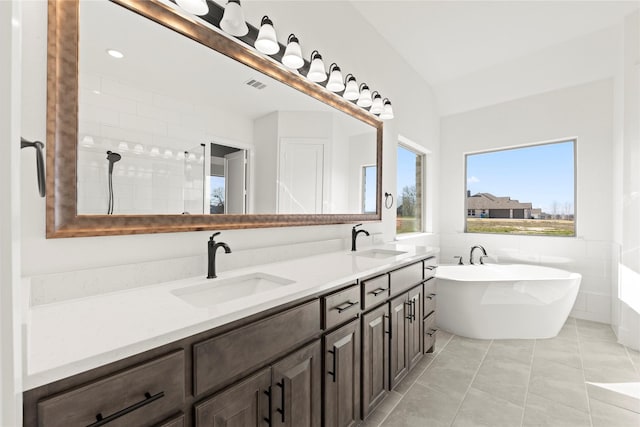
x=342, y=376
x=245, y=404
x=398, y=310
x=414, y=326
x=375, y=358
x=296, y=388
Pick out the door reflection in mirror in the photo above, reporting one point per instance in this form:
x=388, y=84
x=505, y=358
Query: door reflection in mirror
x=228, y=180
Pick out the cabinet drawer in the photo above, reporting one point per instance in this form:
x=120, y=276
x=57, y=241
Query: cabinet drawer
x=219, y=360
x=374, y=291
x=429, y=296
x=341, y=306
x=430, y=266
x=430, y=333
x=177, y=421
x=141, y=396
x=404, y=278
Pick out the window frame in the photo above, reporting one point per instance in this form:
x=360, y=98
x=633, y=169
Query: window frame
x=421, y=151
x=572, y=139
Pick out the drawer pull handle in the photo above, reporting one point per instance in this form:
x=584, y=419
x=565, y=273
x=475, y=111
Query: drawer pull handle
x=333, y=371
x=346, y=306
x=268, y=420
x=430, y=296
x=433, y=331
x=100, y=420
x=410, y=317
x=430, y=267
x=378, y=291
x=386, y=321
x=281, y=410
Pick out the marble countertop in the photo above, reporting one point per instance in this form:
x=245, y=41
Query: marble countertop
x=70, y=337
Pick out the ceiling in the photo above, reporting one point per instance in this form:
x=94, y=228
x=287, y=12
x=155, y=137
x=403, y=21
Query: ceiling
x=446, y=40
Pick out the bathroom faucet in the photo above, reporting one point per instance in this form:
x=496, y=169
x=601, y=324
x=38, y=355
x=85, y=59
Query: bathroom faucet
x=211, y=251
x=354, y=235
x=484, y=254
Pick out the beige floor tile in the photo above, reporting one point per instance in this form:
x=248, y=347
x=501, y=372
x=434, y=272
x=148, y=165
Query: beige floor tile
x=540, y=412
x=502, y=377
x=442, y=339
x=559, y=350
x=569, y=330
x=520, y=350
x=560, y=383
x=619, y=373
x=415, y=373
x=589, y=329
x=467, y=347
x=605, y=415
x=483, y=409
x=423, y=406
x=450, y=373
x=635, y=358
x=597, y=353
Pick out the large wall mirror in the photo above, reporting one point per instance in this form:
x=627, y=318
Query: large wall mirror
x=185, y=129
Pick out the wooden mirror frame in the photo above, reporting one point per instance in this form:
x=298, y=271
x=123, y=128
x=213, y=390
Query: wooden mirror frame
x=62, y=131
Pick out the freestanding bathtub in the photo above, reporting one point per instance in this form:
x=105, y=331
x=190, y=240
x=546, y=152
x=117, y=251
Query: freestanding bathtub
x=495, y=301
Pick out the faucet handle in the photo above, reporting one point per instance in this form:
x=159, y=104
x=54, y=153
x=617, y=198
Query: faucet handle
x=214, y=235
x=357, y=225
x=482, y=257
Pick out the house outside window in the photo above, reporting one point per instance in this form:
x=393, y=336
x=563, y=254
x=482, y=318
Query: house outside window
x=526, y=190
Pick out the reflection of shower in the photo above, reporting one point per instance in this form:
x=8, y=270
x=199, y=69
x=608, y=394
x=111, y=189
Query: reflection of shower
x=112, y=158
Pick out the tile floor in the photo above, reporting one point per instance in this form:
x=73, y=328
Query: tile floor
x=515, y=383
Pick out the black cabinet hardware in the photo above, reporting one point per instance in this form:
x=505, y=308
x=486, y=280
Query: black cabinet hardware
x=346, y=306
x=378, y=291
x=100, y=420
x=333, y=369
x=433, y=331
x=268, y=420
x=281, y=409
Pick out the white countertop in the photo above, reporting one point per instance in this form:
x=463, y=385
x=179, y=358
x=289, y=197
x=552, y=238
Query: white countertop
x=70, y=337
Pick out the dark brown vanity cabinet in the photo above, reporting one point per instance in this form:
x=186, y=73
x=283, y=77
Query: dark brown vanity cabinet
x=406, y=333
x=286, y=394
x=342, y=376
x=375, y=358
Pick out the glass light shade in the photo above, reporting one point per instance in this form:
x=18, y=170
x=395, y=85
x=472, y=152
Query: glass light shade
x=232, y=21
x=364, y=100
x=377, y=107
x=335, y=80
x=351, y=91
x=197, y=7
x=316, y=69
x=267, y=42
x=387, y=113
x=292, y=57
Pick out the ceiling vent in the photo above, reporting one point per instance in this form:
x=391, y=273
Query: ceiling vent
x=255, y=83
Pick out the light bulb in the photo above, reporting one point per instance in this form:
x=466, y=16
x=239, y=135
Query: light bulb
x=292, y=57
x=267, y=42
x=197, y=7
x=351, y=91
x=316, y=69
x=364, y=100
x=233, y=21
x=335, y=83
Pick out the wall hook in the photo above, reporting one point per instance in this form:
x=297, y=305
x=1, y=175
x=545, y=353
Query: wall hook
x=39, y=163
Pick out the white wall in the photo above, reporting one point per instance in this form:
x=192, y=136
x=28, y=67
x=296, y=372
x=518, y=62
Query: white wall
x=413, y=104
x=10, y=292
x=584, y=112
x=626, y=189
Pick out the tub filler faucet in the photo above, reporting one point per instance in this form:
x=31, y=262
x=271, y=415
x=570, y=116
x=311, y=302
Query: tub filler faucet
x=212, y=247
x=484, y=254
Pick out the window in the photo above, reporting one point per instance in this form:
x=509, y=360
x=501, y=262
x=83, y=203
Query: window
x=528, y=190
x=369, y=189
x=409, y=218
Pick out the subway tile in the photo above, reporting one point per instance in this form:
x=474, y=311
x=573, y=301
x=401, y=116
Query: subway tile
x=599, y=305
x=123, y=90
x=483, y=409
x=143, y=124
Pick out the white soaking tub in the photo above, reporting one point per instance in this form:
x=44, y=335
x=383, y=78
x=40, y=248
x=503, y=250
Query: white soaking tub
x=494, y=301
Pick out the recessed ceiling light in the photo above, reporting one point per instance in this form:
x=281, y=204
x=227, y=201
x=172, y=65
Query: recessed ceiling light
x=115, y=53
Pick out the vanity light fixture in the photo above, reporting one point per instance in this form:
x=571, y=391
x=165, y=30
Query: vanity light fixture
x=387, y=113
x=335, y=83
x=316, y=69
x=115, y=53
x=351, y=91
x=292, y=57
x=267, y=42
x=376, y=106
x=364, y=100
x=233, y=21
x=196, y=7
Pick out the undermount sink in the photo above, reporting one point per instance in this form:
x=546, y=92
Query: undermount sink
x=378, y=253
x=217, y=291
